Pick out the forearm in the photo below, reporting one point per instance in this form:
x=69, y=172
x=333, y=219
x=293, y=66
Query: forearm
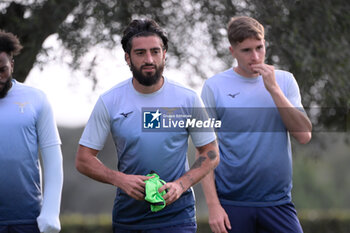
x=53, y=178
x=296, y=121
x=88, y=164
x=206, y=160
x=209, y=189
x=48, y=220
x=218, y=218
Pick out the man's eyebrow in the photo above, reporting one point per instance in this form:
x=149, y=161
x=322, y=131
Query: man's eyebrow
x=139, y=49
x=249, y=48
x=246, y=48
x=155, y=48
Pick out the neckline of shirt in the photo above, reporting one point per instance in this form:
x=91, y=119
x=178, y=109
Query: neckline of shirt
x=14, y=83
x=250, y=80
x=150, y=94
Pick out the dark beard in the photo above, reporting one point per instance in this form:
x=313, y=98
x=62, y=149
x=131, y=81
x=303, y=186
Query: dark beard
x=6, y=88
x=147, y=80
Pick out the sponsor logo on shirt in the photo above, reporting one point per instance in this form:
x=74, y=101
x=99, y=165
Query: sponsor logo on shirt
x=233, y=95
x=126, y=114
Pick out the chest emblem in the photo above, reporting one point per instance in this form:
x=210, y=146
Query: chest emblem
x=170, y=111
x=21, y=106
x=126, y=114
x=234, y=95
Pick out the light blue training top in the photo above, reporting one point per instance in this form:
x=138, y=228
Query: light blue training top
x=123, y=112
x=26, y=124
x=255, y=166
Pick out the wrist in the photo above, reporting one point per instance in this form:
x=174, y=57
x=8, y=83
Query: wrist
x=213, y=204
x=275, y=91
x=117, y=178
x=180, y=182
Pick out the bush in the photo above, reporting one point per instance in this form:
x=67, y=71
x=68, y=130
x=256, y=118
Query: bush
x=77, y=223
x=312, y=221
x=331, y=221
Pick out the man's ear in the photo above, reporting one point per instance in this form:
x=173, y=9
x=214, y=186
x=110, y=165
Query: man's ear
x=164, y=53
x=12, y=65
x=127, y=58
x=232, y=51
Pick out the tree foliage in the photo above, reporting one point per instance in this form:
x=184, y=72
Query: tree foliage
x=33, y=22
x=309, y=38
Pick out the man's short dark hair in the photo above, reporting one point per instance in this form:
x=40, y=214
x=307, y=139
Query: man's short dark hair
x=9, y=44
x=142, y=27
x=243, y=27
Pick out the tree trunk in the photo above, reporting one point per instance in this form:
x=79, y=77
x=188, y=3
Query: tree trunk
x=32, y=31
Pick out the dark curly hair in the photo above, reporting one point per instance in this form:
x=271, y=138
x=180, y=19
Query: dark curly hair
x=9, y=43
x=142, y=27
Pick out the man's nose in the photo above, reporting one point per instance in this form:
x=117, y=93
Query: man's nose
x=255, y=55
x=2, y=77
x=148, y=58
